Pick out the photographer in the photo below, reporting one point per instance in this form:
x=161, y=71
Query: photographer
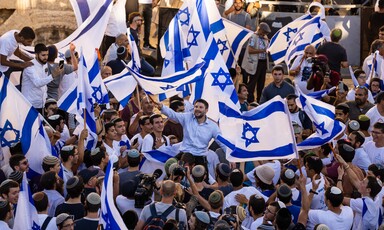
x=301, y=68
x=167, y=191
x=322, y=77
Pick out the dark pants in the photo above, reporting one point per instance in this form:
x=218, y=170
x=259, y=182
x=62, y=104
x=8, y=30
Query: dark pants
x=107, y=42
x=257, y=80
x=146, y=12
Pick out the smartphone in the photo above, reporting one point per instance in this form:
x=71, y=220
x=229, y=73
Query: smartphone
x=61, y=64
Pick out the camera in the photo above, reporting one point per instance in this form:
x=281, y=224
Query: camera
x=179, y=170
x=102, y=106
x=231, y=212
x=145, y=188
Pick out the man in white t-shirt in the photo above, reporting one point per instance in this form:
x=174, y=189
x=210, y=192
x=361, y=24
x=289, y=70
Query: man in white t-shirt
x=337, y=216
x=302, y=68
x=376, y=113
x=375, y=148
x=313, y=167
x=9, y=45
x=146, y=128
x=361, y=158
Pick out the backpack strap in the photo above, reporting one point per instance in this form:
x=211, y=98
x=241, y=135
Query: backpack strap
x=152, y=207
x=46, y=222
x=167, y=212
x=177, y=214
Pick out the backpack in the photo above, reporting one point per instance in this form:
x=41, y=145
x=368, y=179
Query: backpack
x=157, y=221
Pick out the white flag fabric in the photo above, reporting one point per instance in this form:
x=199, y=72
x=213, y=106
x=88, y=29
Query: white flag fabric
x=83, y=9
x=323, y=118
x=110, y=217
x=26, y=215
x=20, y=122
x=262, y=133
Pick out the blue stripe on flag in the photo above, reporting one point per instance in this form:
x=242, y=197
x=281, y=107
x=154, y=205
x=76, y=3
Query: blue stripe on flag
x=67, y=103
x=235, y=45
x=203, y=16
x=26, y=137
x=318, y=141
x=3, y=91
x=158, y=155
x=217, y=26
x=179, y=65
x=94, y=71
x=323, y=111
x=84, y=9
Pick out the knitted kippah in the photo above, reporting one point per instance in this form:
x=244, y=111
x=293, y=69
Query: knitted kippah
x=16, y=175
x=93, y=198
x=72, y=182
x=51, y=160
x=215, y=197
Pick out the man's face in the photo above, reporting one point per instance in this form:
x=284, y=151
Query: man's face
x=243, y=93
x=138, y=20
x=339, y=114
x=147, y=127
x=75, y=156
x=381, y=35
x=120, y=128
x=68, y=225
x=158, y=124
x=147, y=106
x=51, y=110
x=278, y=76
x=42, y=57
x=24, y=165
x=362, y=79
x=112, y=134
x=60, y=127
x=352, y=139
x=13, y=195
x=56, y=168
x=180, y=109
x=340, y=92
x=309, y=52
x=238, y=5
x=381, y=50
x=292, y=105
x=106, y=72
x=360, y=96
x=377, y=135
x=122, y=41
x=199, y=110
x=270, y=213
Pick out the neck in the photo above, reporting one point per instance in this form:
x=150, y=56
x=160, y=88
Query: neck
x=167, y=200
x=366, y=133
x=143, y=133
x=222, y=183
x=119, y=137
x=132, y=169
x=241, y=100
x=133, y=26
x=336, y=210
x=237, y=188
x=109, y=142
x=74, y=200
x=257, y=216
x=201, y=120
x=92, y=215
x=68, y=165
x=380, y=109
x=43, y=212
x=158, y=134
x=379, y=144
x=278, y=84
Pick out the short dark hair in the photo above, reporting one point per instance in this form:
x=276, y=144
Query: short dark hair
x=77, y=189
x=202, y=101
x=241, y=85
x=236, y=177
x=64, y=154
x=16, y=148
x=14, y=160
x=335, y=199
x=132, y=15
x=358, y=72
x=257, y=204
x=107, y=115
x=117, y=120
x=380, y=97
x=374, y=186
x=176, y=104
x=4, y=209
x=130, y=219
x=220, y=175
x=108, y=125
x=376, y=45
x=346, y=151
x=40, y=47
x=291, y=97
x=6, y=187
x=55, y=122
x=358, y=137
x=343, y=107
x=98, y=157
x=133, y=161
x=314, y=163
x=153, y=117
x=121, y=53
x=312, y=8
x=48, y=180
x=92, y=207
x=286, y=180
x=278, y=68
x=379, y=125
x=41, y=201
x=377, y=170
x=283, y=218
x=27, y=33
x=143, y=119
x=52, y=52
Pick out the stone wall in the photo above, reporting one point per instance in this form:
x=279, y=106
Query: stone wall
x=52, y=20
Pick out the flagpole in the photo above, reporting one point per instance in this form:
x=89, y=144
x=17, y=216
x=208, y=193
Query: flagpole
x=46, y=122
x=373, y=66
x=138, y=96
x=85, y=119
x=230, y=48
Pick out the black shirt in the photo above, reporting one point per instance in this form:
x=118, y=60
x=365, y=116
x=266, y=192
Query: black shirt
x=86, y=224
x=77, y=210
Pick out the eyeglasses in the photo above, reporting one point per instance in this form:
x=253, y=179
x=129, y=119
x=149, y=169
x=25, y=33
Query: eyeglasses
x=361, y=87
x=24, y=162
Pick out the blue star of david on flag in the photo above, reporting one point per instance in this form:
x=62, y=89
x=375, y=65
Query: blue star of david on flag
x=167, y=87
x=106, y=219
x=194, y=33
x=217, y=82
x=223, y=45
x=320, y=128
x=9, y=128
x=184, y=20
x=249, y=134
x=35, y=226
x=289, y=30
x=97, y=94
x=61, y=55
x=299, y=38
x=166, y=63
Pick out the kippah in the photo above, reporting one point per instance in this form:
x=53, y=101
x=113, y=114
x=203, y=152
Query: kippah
x=3, y=203
x=5, y=182
x=215, y=197
x=93, y=198
x=322, y=227
x=363, y=118
x=337, y=32
x=168, y=163
x=38, y=196
x=50, y=100
x=72, y=182
x=198, y=171
x=335, y=190
x=224, y=169
x=67, y=148
x=289, y=174
x=54, y=117
x=51, y=160
x=95, y=151
x=16, y=175
x=133, y=153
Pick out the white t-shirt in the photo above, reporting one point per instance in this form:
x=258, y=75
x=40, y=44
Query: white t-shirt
x=8, y=46
x=376, y=155
x=139, y=140
x=66, y=82
x=230, y=200
x=113, y=154
x=117, y=24
x=374, y=116
x=124, y=204
x=256, y=223
x=52, y=223
x=361, y=159
x=342, y=221
x=367, y=220
x=304, y=73
x=318, y=201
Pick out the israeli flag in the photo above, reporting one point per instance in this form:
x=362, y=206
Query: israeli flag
x=373, y=66
x=308, y=34
x=20, y=122
x=26, y=215
x=91, y=32
x=262, y=133
x=110, y=217
x=122, y=86
x=230, y=47
x=157, y=85
x=135, y=63
x=83, y=9
x=321, y=93
x=323, y=118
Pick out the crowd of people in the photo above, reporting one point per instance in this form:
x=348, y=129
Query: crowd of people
x=338, y=185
